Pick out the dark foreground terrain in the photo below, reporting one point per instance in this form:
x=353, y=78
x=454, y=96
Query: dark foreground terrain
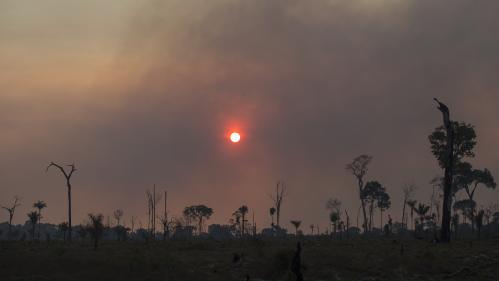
x=322, y=259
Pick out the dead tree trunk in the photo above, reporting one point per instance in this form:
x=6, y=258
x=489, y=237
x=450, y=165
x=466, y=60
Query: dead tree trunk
x=67, y=175
x=445, y=233
x=11, y=211
x=280, y=193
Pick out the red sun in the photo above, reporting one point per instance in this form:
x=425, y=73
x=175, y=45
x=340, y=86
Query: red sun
x=235, y=137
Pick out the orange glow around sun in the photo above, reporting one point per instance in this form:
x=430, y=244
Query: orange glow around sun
x=235, y=137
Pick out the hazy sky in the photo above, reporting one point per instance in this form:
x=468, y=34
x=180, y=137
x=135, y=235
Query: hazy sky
x=137, y=93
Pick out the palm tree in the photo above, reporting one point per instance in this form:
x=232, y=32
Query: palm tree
x=412, y=204
x=272, y=212
x=95, y=227
x=296, y=224
x=39, y=205
x=422, y=210
x=33, y=218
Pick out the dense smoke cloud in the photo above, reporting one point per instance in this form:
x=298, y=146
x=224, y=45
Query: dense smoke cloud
x=150, y=97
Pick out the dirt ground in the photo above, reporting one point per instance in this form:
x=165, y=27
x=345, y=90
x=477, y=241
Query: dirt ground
x=205, y=260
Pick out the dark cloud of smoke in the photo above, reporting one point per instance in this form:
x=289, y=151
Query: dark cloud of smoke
x=310, y=84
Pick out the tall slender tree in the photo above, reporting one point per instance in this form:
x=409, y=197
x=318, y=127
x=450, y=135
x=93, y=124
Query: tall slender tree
x=280, y=193
x=67, y=176
x=359, y=169
x=450, y=143
x=408, y=193
x=412, y=205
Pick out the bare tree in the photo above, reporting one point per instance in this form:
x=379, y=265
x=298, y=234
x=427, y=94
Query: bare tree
x=348, y=222
x=359, y=169
x=280, y=194
x=408, y=190
x=11, y=211
x=165, y=221
x=67, y=176
x=118, y=214
x=152, y=200
x=95, y=227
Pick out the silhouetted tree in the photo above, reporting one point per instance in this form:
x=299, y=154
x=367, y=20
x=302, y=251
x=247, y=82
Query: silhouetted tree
x=11, y=211
x=334, y=217
x=272, y=212
x=312, y=229
x=450, y=144
x=466, y=206
x=296, y=224
x=39, y=205
x=412, y=205
x=421, y=210
x=95, y=227
x=359, y=169
x=479, y=222
x=67, y=176
x=243, y=210
x=167, y=223
x=279, y=197
x=152, y=200
x=33, y=219
x=348, y=221
x=372, y=194
x=333, y=205
x=384, y=204
x=198, y=212
x=469, y=179
x=63, y=228
x=408, y=192
x=118, y=214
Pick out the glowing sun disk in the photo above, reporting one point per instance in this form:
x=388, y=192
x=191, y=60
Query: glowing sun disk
x=235, y=137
